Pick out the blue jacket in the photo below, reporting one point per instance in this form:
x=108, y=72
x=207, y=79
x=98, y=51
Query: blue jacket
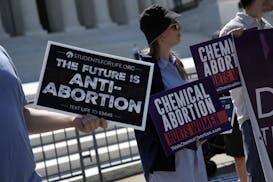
x=151, y=152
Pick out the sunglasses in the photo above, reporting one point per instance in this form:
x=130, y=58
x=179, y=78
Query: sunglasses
x=175, y=26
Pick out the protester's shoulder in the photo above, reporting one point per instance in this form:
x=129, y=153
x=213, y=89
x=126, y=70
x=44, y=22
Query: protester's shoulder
x=231, y=25
x=2, y=49
x=6, y=61
x=4, y=52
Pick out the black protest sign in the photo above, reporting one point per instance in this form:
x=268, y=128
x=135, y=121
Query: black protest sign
x=80, y=81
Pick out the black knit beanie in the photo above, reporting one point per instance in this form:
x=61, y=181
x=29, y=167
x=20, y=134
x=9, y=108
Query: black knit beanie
x=154, y=20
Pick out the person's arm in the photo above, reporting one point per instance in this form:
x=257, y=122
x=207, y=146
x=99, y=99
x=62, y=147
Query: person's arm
x=235, y=30
x=236, y=33
x=38, y=121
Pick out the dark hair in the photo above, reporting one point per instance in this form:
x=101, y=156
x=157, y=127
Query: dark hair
x=153, y=50
x=246, y=3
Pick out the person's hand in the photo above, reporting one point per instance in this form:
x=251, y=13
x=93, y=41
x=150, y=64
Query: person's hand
x=236, y=33
x=88, y=123
x=199, y=143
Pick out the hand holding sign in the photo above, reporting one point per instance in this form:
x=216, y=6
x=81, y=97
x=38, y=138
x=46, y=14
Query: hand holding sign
x=188, y=114
x=89, y=123
x=236, y=33
x=80, y=81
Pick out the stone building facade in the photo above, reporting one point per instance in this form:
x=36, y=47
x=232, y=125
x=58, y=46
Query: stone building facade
x=26, y=17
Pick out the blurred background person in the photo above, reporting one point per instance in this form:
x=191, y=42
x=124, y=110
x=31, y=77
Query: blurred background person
x=18, y=121
x=250, y=17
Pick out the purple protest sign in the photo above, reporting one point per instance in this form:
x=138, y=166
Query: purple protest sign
x=255, y=55
x=185, y=113
x=216, y=58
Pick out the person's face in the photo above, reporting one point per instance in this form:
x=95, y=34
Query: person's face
x=268, y=5
x=171, y=36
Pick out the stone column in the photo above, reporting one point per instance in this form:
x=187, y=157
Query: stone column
x=62, y=16
x=163, y=3
x=26, y=17
x=132, y=11
x=2, y=30
x=86, y=13
x=170, y=5
x=142, y=4
x=124, y=11
x=101, y=14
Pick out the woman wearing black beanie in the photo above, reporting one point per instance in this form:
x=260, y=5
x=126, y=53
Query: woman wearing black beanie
x=163, y=31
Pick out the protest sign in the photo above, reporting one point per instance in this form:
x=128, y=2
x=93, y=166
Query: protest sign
x=215, y=58
x=80, y=81
x=255, y=57
x=184, y=114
